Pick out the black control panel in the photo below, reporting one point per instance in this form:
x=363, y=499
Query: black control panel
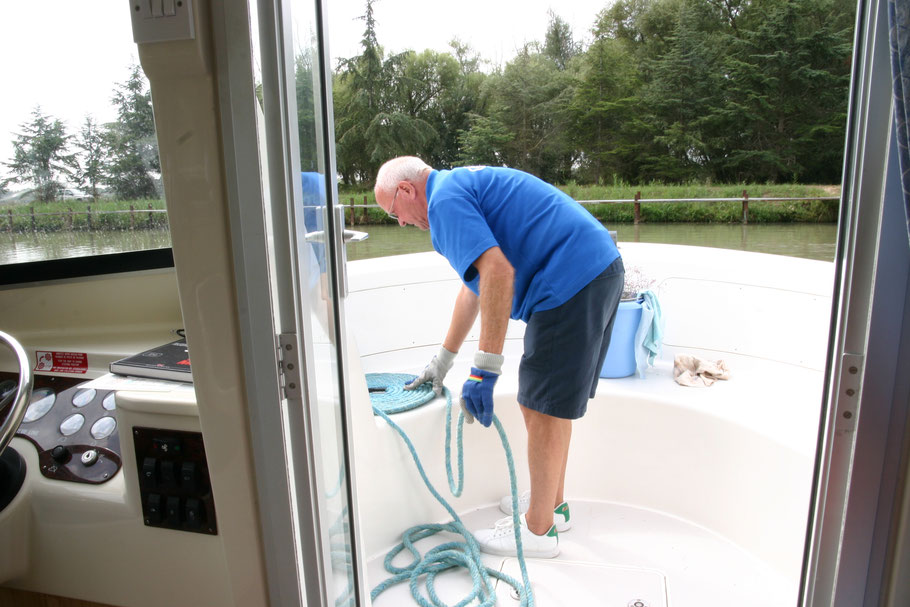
x=73, y=427
x=174, y=480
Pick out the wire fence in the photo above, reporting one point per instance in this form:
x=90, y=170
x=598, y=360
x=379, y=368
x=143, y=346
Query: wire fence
x=637, y=201
x=151, y=218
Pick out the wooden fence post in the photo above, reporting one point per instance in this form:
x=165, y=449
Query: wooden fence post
x=363, y=215
x=69, y=219
x=34, y=225
x=151, y=224
x=746, y=207
x=351, y=203
x=9, y=214
x=89, y=216
x=132, y=217
x=637, y=216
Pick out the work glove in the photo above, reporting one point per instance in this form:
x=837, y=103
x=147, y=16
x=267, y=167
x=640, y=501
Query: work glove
x=477, y=392
x=435, y=372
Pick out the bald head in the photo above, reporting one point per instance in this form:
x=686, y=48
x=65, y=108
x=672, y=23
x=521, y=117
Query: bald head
x=401, y=189
x=403, y=168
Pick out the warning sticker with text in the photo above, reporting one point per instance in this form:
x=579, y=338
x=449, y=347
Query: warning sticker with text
x=61, y=362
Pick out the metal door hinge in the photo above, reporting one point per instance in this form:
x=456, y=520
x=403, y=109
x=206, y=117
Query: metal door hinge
x=289, y=365
x=848, y=395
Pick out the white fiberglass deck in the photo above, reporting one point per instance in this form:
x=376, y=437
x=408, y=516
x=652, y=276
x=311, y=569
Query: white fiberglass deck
x=681, y=496
x=613, y=555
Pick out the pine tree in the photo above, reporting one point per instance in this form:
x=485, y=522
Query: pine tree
x=787, y=80
x=131, y=141
x=603, y=113
x=40, y=155
x=558, y=42
x=89, y=165
x=358, y=94
x=687, y=83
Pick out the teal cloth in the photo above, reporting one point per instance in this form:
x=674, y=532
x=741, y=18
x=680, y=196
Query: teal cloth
x=650, y=333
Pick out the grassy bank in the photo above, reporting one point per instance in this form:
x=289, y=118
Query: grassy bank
x=117, y=215
x=815, y=211
x=83, y=215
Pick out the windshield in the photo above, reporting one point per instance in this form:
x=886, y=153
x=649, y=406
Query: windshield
x=79, y=169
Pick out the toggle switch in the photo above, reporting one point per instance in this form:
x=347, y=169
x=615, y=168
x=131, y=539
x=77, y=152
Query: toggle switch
x=189, y=477
x=153, y=509
x=172, y=511
x=150, y=471
x=194, y=512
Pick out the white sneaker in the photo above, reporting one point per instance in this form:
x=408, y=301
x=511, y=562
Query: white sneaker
x=561, y=515
x=500, y=540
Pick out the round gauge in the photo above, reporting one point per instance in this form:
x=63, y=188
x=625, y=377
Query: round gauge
x=83, y=397
x=108, y=402
x=103, y=427
x=72, y=424
x=42, y=401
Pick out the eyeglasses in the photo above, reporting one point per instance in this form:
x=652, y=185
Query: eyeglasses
x=392, y=206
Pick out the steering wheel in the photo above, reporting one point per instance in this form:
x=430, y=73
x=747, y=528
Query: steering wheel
x=23, y=393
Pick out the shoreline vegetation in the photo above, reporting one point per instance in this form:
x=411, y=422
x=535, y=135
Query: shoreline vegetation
x=110, y=215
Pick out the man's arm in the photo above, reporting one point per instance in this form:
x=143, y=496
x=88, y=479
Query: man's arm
x=463, y=316
x=496, y=287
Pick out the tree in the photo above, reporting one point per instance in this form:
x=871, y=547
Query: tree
x=358, y=87
x=787, y=79
x=484, y=142
x=688, y=83
x=131, y=142
x=40, y=155
x=558, y=43
x=603, y=111
x=530, y=100
x=306, y=112
x=89, y=161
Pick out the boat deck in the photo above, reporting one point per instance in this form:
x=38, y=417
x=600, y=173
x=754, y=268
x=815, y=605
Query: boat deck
x=614, y=555
x=682, y=497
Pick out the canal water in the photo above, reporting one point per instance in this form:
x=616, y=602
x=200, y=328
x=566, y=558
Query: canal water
x=812, y=241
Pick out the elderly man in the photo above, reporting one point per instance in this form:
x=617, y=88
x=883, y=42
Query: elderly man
x=523, y=250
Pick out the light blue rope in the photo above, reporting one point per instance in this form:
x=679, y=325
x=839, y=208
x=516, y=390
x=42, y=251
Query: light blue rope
x=387, y=393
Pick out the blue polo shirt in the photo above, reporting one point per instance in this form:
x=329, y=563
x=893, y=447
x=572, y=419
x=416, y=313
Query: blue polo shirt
x=555, y=246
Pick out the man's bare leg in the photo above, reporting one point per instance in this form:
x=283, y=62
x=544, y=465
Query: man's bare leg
x=548, y=450
x=560, y=493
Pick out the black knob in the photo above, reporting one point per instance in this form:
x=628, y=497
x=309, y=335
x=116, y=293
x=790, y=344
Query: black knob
x=60, y=454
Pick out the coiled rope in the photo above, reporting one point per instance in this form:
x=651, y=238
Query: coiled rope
x=388, y=396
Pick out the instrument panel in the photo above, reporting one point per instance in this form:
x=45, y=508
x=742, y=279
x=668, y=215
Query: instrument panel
x=74, y=428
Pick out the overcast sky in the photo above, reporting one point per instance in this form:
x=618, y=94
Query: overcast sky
x=69, y=59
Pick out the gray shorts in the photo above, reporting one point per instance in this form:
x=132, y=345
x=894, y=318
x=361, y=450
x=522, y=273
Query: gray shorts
x=565, y=347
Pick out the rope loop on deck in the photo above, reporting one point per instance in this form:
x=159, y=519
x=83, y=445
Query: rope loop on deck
x=385, y=391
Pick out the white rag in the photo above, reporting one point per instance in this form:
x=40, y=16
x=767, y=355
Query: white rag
x=689, y=370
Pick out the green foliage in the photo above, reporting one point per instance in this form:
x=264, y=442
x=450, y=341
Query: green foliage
x=89, y=161
x=306, y=112
x=132, y=148
x=558, y=42
x=106, y=215
x=671, y=209
x=529, y=117
x=40, y=155
x=668, y=90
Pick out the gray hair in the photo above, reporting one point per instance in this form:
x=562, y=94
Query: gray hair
x=403, y=168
